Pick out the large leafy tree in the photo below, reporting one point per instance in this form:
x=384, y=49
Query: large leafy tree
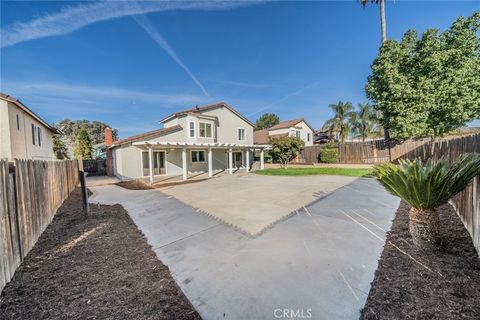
x=83, y=145
x=340, y=121
x=267, y=120
x=428, y=86
x=284, y=149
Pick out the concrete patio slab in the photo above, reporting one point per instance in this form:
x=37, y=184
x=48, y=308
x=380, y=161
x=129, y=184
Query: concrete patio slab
x=319, y=262
x=253, y=203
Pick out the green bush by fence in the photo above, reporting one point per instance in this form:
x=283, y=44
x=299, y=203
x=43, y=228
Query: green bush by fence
x=329, y=155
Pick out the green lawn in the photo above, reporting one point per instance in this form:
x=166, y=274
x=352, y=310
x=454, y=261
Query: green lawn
x=352, y=172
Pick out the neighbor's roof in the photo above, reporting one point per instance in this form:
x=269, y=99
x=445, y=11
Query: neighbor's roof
x=207, y=108
x=262, y=136
x=19, y=104
x=145, y=135
x=289, y=123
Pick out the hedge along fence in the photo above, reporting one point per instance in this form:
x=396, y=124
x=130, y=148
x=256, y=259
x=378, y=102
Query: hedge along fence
x=30, y=194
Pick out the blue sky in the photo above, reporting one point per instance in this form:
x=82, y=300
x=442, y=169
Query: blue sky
x=132, y=63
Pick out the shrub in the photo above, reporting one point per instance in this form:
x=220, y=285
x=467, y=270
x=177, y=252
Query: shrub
x=329, y=155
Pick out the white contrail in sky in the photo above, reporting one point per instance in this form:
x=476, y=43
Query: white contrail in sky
x=75, y=17
x=145, y=23
x=284, y=98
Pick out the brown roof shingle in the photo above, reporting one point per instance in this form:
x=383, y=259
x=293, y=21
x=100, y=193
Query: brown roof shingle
x=146, y=135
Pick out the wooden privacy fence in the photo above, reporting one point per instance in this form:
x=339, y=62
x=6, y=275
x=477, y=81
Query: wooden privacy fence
x=30, y=194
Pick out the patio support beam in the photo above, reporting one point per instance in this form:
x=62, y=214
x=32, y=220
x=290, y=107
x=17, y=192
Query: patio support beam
x=150, y=163
x=230, y=161
x=184, y=163
x=262, y=159
x=247, y=160
x=210, y=164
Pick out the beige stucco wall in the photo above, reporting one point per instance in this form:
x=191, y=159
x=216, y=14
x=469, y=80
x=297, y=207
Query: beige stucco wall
x=19, y=143
x=228, y=124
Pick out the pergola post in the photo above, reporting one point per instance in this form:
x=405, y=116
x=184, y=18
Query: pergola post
x=262, y=159
x=210, y=164
x=247, y=160
x=184, y=163
x=150, y=164
x=230, y=161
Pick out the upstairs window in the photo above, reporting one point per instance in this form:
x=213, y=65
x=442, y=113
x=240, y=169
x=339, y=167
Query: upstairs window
x=205, y=130
x=297, y=133
x=191, y=129
x=33, y=134
x=18, y=122
x=308, y=137
x=292, y=133
x=241, y=134
x=39, y=131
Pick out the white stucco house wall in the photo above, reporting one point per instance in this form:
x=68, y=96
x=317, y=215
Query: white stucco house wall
x=23, y=134
x=202, y=139
x=293, y=128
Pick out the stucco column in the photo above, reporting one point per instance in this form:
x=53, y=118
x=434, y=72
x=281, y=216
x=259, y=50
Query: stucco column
x=210, y=164
x=184, y=163
x=247, y=160
x=150, y=163
x=230, y=161
x=262, y=160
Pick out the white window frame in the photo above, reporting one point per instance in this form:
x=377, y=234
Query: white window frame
x=204, y=156
x=18, y=122
x=244, y=134
x=292, y=132
x=39, y=132
x=194, y=129
x=298, y=133
x=33, y=133
x=309, y=136
x=211, y=130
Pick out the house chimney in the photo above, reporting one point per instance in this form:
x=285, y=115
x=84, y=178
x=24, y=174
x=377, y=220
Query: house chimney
x=108, y=151
x=108, y=137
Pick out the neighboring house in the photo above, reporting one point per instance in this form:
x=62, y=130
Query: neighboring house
x=293, y=128
x=23, y=134
x=202, y=139
x=99, y=151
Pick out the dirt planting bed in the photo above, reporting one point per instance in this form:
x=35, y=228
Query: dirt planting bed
x=438, y=285
x=99, y=267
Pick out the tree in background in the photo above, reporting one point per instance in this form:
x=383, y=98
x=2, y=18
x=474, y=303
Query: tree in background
x=428, y=86
x=83, y=145
x=267, y=120
x=340, y=122
x=95, y=130
x=284, y=149
x=364, y=122
x=383, y=21
x=59, y=148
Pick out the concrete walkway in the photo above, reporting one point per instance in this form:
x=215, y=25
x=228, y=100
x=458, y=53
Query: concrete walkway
x=319, y=262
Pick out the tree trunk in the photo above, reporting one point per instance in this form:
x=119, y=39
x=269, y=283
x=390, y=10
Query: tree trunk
x=383, y=21
x=424, y=227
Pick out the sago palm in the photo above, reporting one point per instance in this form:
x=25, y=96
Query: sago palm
x=426, y=186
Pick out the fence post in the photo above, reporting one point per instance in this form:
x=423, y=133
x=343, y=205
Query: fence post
x=83, y=187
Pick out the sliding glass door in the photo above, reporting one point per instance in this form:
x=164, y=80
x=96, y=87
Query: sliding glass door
x=158, y=163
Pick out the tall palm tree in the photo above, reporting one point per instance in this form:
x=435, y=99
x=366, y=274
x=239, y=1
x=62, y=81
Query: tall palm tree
x=340, y=122
x=383, y=22
x=364, y=122
x=426, y=186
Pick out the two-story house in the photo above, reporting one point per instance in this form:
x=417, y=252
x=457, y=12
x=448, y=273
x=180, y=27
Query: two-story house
x=293, y=128
x=23, y=134
x=202, y=139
